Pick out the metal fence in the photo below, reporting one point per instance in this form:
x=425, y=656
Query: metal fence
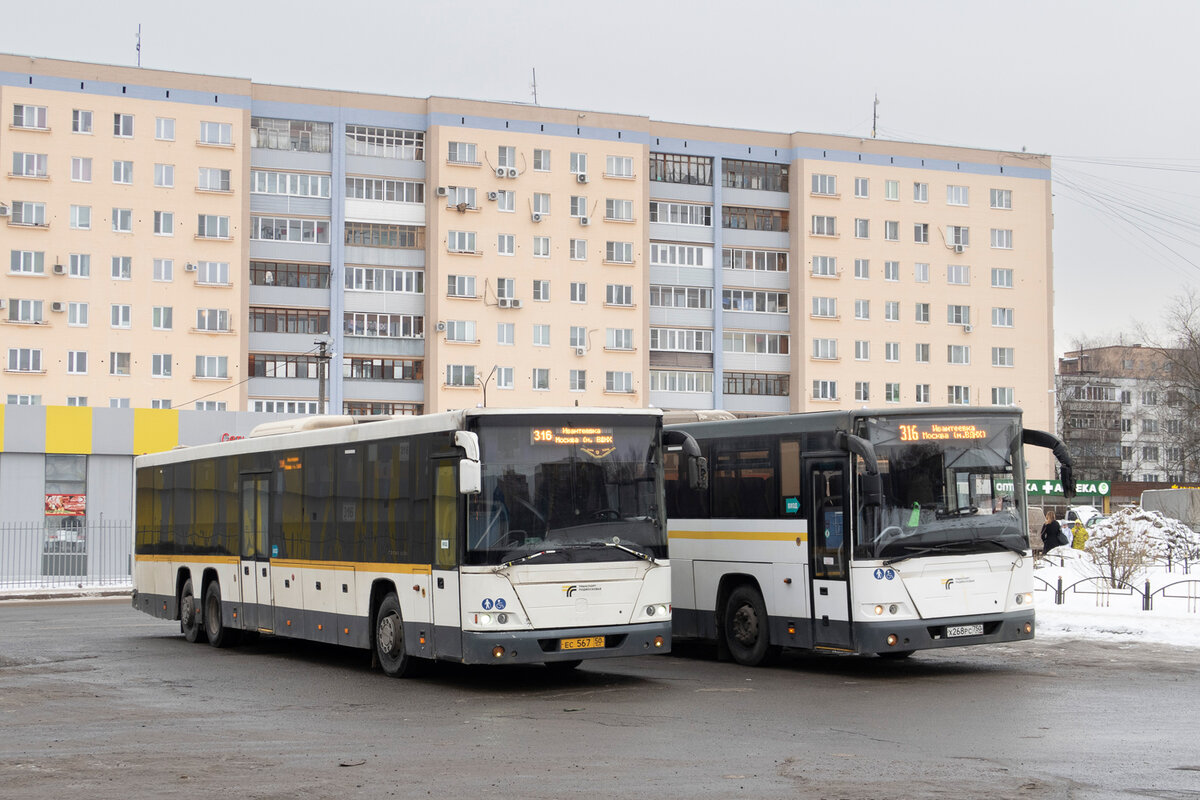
x=34, y=555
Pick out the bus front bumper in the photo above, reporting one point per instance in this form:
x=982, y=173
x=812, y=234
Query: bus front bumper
x=528, y=647
x=928, y=634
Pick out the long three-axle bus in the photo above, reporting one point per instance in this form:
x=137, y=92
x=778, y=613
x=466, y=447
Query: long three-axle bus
x=864, y=531
x=478, y=536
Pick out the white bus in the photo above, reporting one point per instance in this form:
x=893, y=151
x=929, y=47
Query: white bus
x=864, y=531
x=477, y=536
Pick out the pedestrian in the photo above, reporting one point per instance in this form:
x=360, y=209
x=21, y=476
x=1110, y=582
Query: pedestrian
x=1079, y=535
x=1052, y=534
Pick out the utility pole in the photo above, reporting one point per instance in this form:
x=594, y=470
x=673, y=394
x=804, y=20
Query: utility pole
x=484, y=384
x=139, y=45
x=874, y=115
x=534, y=85
x=322, y=368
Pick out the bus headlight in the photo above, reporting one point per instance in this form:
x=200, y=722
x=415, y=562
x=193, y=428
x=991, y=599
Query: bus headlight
x=879, y=611
x=1025, y=598
x=502, y=619
x=483, y=619
x=660, y=610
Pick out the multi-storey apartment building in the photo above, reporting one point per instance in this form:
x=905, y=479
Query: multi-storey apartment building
x=452, y=252
x=1126, y=416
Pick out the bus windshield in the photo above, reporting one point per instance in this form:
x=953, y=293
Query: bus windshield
x=947, y=485
x=559, y=488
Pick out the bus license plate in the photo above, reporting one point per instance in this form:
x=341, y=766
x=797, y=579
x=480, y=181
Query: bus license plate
x=582, y=643
x=964, y=630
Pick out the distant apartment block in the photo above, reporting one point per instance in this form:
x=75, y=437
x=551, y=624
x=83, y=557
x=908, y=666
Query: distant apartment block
x=181, y=240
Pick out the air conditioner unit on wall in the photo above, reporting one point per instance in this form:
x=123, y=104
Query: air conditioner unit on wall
x=515, y=303
x=189, y=267
x=536, y=217
x=968, y=328
x=512, y=172
x=3, y=303
x=580, y=351
x=58, y=305
x=59, y=269
x=585, y=221
x=493, y=195
x=441, y=326
x=581, y=177
x=442, y=191
x=958, y=248
x=3, y=211
x=501, y=172
x=504, y=302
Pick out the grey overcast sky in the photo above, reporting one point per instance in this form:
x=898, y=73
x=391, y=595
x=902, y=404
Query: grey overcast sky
x=1100, y=85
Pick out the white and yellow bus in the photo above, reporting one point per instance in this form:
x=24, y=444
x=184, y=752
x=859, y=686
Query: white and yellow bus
x=866, y=531
x=477, y=536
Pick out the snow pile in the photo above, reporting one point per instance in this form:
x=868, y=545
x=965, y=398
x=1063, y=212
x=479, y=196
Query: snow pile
x=1163, y=537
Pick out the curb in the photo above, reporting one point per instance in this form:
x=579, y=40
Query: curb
x=63, y=594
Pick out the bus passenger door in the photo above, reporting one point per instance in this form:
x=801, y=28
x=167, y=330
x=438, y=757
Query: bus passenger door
x=255, y=575
x=447, y=517
x=829, y=535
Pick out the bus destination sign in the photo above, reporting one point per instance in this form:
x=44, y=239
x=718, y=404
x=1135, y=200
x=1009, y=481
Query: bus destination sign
x=597, y=442
x=937, y=432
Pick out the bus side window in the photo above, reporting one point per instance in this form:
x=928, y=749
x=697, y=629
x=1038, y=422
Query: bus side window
x=789, y=479
x=445, y=515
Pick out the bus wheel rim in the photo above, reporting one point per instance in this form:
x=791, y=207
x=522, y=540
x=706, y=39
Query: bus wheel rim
x=745, y=625
x=388, y=638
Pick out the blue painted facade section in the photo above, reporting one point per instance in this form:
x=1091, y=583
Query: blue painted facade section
x=539, y=128
x=133, y=91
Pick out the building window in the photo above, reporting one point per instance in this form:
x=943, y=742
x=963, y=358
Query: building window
x=921, y=273
x=862, y=391
x=862, y=229
x=1002, y=317
x=81, y=170
x=386, y=326
x=164, y=129
x=957, y=195
x=920, y=192
x=211, y=179
x=460, y=330
x=212, y=226
x=1002, y=356
x=891, y=311
x=506, y=200
x=862, y=350
x=365, y=140
x=123, y=125
x=754, y=301
x=24, y=359
x=825, y=307
x=618, y=338
x=212, y=367
x=824, y=349
x=77, y=314
x=300, y=184
x=958, y=315
x=578, y=336
x=891, y=351
x=618, y=295
x=217, y=319
x=461, y=196
x=164, y=223
x=1003, y=396
x=621, y=382
x=122, y=315
x=122, y=268
x=122, y=172
x=757, y=383
x=460, y=375
x=755, y=219
x=118, y=363
x=30, y=165
x=25, y=311
x=541, y=335
x=541, y=203
x=922, y=312
x=824, y=185
x=757, y=343
x=824, y=266
x=504, y=288
x=671, y=168
x=579, y=163
x=461, y=153
x=862, y=268
x=824, y=390
x=27, y=262
x=122, y=220
x=958, y=354
x=79, y=266
x=891, y=392
x=164, y=176
x=824, y=225
x=922, y=353
x=891, y=270
x=862, y=309
x=505, y=333
x=290, y=134
x=541, y=160
x=541, y=378
x=460, y=286
x=160, y=365
x=622, y=211
x=922, y=393
x=577, y=380
x=958, y=235
x=215, y=273
x=77, y=400
x=757, y=175
x=680, y=297
x=541, y=291
x=578, y=249
x=81, y=218
x=681, y=381
x=506, y=244
x=618, y=166
x=1002, y=239
x=579, y=206
x=681, y=340
x=760, y=260
x=1001, y=198
x=958, y=395
x=1002, y=278
x=618, y=252
x=862, y=187
x=541, y=247
x=958, y=275
x=921, y=232
x=460, y=241
x=891, y=231
x=160, y=318
x=81, y=121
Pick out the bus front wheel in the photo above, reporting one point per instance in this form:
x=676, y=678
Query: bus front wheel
x=745, y=628
x=389, y=639
x=189, y=620
x=214, y=625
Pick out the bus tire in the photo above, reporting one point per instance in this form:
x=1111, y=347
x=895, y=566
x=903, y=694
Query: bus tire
x=390, y=648
x=189, y=620
x=563, y=666
x=214, y=625
x=744, y=627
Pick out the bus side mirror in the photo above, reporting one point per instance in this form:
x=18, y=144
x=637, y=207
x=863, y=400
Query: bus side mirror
x=470, y=478
x=697, y=472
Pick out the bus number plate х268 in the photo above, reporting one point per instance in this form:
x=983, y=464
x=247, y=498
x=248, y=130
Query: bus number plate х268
x=964, y=630
x=583, y=643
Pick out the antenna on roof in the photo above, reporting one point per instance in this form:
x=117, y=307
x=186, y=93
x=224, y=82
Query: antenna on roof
x=139, y=45
x=874, y=115
x=534, y=86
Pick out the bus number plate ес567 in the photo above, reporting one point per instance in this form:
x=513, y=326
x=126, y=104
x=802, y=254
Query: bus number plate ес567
x=964, y=630
x=582, y=643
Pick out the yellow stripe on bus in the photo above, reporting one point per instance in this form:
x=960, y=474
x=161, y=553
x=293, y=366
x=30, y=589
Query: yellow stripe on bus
x=408, y=569
x=195, y=559
x=745, y=536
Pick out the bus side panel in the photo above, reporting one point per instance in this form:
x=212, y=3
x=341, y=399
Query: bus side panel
x=708, y=575
x=447, y=615
x=684, y=619
x=351, y=629
x=287, y=580
x=320, y=604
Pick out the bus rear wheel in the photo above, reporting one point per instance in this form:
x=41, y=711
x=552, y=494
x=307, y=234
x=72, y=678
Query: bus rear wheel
x=389, y=639
x=189, y=620
x=214, y=625
x=744, y=627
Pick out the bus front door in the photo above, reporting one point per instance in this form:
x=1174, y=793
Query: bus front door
x=829, y=565
x=447, y=517
x=255, y=578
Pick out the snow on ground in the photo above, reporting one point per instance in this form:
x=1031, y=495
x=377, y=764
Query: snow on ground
x=1090, y=611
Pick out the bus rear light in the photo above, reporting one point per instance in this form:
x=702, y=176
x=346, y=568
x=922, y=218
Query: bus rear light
x=791, y=629
x=892, y=639
x=498, y=652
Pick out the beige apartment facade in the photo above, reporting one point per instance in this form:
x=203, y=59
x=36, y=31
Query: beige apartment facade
x=452, y=253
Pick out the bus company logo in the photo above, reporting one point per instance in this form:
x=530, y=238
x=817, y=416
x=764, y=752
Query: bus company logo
x=948, y=582
x=570, y=590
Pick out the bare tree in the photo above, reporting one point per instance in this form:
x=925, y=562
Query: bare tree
x=1178, y=348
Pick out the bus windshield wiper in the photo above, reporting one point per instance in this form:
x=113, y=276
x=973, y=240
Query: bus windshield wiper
x=617, y=544
x=957, y=512
x=921, y=551
x=1005, y=545
x=529, y=557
